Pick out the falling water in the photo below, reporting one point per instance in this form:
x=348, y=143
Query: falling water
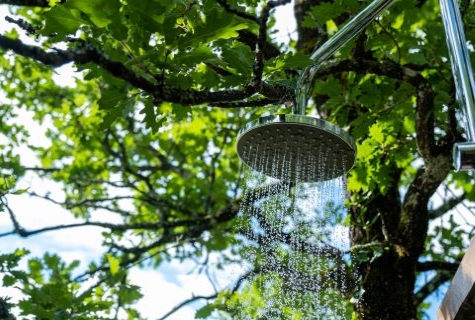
x=295, y=240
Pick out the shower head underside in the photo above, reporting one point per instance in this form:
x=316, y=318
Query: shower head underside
x=296, y=148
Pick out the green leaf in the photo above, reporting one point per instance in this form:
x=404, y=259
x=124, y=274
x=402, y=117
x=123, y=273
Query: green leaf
x=377, y=133
x=181, y=112
x=115, y=103
x=219, y=27
x=330, y=87
x=114, y=264
x=202, y=53
x=110, y=98
x=327, y=11
x=152, y=119
x=8, y=280
x=129, y=294
x=19, y=191
x=98, y=11
x=297, y=60
x=6, y=183
x=288, y=61
x=239, y=57
x=205, y=311
x=61, y=21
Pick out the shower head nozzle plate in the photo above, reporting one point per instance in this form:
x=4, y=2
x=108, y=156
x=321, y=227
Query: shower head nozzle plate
x=297, y=148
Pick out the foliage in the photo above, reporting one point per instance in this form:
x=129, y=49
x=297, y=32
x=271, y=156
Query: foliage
x=145, y=138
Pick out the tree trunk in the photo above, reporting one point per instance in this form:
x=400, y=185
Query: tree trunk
x=388, y=284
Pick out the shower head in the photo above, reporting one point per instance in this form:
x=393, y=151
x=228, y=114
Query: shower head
x=296, y=148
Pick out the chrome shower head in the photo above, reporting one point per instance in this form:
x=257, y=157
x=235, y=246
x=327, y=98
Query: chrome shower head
x=296, y=148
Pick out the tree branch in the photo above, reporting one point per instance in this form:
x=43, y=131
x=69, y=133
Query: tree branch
x=244, y=104
x=249, y=38
x=262, y=40
x=446, y=206
x=437, y=265
x=412, y=229
x=28, y=3
x=431, y=286
x=17, y=228
x=54, y=58
x=23, y=24
x=159, y=91
x=188, y=301
x=5, y=309
x=205, y=223
x=242, y=14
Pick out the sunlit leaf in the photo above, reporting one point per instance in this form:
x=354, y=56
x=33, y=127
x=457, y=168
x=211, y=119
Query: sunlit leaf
x=114, y=264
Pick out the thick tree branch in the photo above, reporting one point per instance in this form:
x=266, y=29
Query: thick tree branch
x=159, y=91
x=55, y=58
x=413, y=224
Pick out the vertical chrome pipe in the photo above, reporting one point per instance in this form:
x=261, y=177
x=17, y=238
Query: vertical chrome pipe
x=464, y=153
x=340, y=38
x=460, y=60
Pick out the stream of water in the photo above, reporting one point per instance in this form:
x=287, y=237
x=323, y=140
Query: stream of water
x=296, y=246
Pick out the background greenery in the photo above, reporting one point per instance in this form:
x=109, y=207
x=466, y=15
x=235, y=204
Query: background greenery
x=147, y=134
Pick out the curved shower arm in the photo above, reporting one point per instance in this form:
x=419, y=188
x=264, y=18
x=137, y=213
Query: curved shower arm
x=357, y=24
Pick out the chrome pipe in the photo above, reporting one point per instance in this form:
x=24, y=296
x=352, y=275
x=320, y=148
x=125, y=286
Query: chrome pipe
x=464, y=153
x=327, y=49
x=464, y=156
x=460, y=61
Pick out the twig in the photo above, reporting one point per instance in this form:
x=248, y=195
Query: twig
x=16, y=225
x=28, y=3
x=236, y=12
x=25, y=25
x=184, y=303
x=373, y=244
x=431, y=286
x=446, y=206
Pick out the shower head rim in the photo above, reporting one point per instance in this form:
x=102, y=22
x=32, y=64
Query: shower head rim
x=318, y=127
x=299, y=119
